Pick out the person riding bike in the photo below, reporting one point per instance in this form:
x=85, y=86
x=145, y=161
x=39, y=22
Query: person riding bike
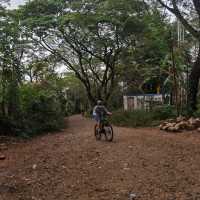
x=100, y=112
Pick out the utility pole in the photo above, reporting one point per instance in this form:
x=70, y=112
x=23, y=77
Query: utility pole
x=174, y=74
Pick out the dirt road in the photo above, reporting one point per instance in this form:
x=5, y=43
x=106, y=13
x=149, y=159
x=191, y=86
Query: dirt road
x=71, y=165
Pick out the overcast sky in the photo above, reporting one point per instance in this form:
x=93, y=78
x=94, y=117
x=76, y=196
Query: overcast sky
x=16, y=3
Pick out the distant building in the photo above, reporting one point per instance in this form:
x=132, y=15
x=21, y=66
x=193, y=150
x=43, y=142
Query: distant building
x=144, y=101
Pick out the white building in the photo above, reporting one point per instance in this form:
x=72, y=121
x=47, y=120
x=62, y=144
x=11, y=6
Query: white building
x=144, y=101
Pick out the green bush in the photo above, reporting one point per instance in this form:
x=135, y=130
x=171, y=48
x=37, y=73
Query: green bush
x=6, y=125
x=142, y=118
x=41, y=109
x=133, y=119
x=10, y=126
x=163, y=112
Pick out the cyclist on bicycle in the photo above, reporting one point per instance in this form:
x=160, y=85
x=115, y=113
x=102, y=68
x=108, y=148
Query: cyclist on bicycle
x=99, y=112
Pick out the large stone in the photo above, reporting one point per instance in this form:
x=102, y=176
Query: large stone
x=173, y=129
x=182, y=125
x=171, y=120
x=190, y=127
x=164, y=128
x=197, y=122
x=178, y=126
x=180, y=119
x=161, y=126
x=168, y=125
x=164, y=123
x=192, y=121
x=172, y=124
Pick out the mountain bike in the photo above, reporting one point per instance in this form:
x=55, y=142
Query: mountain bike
x=105, y=129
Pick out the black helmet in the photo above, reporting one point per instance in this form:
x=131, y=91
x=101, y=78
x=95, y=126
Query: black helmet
x=99, y=102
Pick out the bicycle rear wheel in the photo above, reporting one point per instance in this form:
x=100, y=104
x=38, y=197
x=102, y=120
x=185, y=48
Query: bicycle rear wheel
x=109, y=133
x=97, y=132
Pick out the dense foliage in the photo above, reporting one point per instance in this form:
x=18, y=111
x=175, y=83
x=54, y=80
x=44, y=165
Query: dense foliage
x=142, y=118
x=40, y=109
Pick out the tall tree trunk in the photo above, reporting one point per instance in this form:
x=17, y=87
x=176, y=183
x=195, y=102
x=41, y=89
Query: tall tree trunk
x=3, y=103
x=194, y=84
x=91, y=98
x=3, y=83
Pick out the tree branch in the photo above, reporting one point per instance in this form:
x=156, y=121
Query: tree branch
x=185, y=23
x=175, y=10
x=93, y=70
x=166, y=6
x=197, y=7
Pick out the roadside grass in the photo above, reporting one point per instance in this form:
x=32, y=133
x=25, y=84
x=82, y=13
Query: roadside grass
x=142, y=118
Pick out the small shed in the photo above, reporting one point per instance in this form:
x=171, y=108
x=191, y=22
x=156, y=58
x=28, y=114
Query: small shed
x=144, y=101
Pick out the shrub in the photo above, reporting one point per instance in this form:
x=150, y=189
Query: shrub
x=142, y=118
x=163, y=112
x=6, y=125
x=41, y=109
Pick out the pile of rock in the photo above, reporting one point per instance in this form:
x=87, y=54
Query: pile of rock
x=181, y=123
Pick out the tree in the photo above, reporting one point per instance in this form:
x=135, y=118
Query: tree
x=87, y=37
x=186, y=11
x=11, y=53
x=145, y=62
x=75, y=94
x=26, y=108
x=3, y=3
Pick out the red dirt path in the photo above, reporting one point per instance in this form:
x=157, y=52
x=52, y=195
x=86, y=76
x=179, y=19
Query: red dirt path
x=72, y=165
